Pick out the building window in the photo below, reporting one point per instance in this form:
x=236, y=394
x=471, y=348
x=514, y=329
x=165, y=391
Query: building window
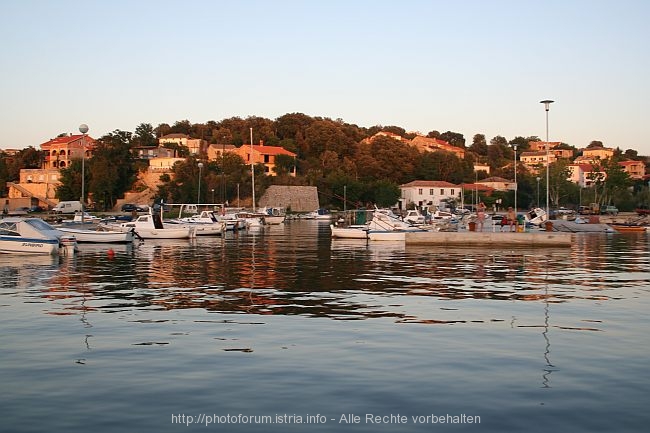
x=431, y=191
x=452, y=192
x=419, y=191
x=442, y=191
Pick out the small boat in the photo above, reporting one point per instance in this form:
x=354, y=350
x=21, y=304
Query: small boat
x=273, y=215
x=33, y=236
x=629, y=228
x=383, y=227
x=204, y=222
x=151, y=227
x=536, y=216
x=350, y=232
x=98, y=236
x=414, y=217
x=250, y=220
x=318, y=214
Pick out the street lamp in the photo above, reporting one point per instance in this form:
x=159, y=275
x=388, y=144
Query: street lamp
x=198, y=196
x=547, y=103
x=83, y=128
x=538, y=179
x=514, y=146
x=212, y=195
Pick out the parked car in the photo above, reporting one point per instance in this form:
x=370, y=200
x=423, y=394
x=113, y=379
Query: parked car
x=130, y=207
x=36, y=209
x=609, y=210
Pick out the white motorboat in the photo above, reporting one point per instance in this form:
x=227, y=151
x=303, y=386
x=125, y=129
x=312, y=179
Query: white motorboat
x=98, y=236
x=204, y=223
x=359, y=231
x=318, y=214
x=414, y=217
x=273, y=215
x=151, y=227
x=250, y=219
x=536, y=216
x=383, y=227
x=33, y=236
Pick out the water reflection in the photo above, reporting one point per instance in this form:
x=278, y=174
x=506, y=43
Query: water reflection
x=296, y=269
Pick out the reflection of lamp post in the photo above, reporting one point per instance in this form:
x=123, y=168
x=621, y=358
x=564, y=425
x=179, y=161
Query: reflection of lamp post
x=223, y=170
x=83, y=128
x=198, y=196
x=514, y=146
x=538, y=179
x=252, y=170
x=547, y=103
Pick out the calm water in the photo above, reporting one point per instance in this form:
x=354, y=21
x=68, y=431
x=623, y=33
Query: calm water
x=288, y=325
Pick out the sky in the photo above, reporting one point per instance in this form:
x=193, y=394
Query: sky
x=471, y=67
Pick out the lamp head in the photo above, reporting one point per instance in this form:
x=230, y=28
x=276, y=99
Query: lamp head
x=546, y=103
x=83, y=128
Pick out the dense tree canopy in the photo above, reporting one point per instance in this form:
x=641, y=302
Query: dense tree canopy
x=331, y=154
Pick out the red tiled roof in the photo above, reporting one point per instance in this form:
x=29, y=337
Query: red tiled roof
x=67, y=139
x=270, y=150
x=630, y=162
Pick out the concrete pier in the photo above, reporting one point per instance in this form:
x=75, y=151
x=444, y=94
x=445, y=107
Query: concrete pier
x=526, y=239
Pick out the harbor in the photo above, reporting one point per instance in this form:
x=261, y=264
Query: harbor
x=286, y=321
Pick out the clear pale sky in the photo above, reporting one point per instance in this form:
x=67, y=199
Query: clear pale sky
x=463, y=66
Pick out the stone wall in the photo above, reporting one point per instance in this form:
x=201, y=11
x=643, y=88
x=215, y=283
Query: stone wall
x=294, y=198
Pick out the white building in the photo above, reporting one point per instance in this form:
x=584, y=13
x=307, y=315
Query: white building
x=428, y=193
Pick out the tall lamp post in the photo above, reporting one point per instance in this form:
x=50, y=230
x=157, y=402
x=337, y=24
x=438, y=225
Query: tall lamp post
x=212, y=195
x=547, y=103
x=198, y=196
x=514, y=147
x=538, y=179
x=83, y=128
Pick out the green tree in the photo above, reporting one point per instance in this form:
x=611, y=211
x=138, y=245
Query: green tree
x=560, y=187
x=70, y=178
x=479, y=145
x=616, y=183
x=144, y=136
x=453, y=138
x=111, y=168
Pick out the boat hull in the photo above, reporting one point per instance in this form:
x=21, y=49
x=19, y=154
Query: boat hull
x=16, y=244
x=628, y=228
x=95, y=236
x=349, y=232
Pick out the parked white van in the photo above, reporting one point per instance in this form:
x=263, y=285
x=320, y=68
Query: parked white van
x=68, y=207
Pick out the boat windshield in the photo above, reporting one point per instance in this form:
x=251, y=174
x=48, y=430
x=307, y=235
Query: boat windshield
x=39, y=225
x=8, y=229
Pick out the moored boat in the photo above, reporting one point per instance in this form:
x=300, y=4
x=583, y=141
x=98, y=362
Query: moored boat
x=629, y=228
x=98, y=236
x=273, y=215
x=350, y=232
x=33, y=236
x=151, y=227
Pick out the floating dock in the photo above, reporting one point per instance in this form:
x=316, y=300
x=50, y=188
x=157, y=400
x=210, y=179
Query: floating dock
x=526, y=239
